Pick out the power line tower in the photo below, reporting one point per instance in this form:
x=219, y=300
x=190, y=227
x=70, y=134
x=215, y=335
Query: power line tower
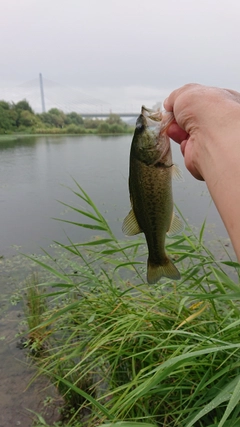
x=42, y=93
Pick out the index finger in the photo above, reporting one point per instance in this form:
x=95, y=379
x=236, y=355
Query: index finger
x=170, y=101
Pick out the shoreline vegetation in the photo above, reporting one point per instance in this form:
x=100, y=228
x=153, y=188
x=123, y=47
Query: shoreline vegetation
x=126, y=354
x=20, y=119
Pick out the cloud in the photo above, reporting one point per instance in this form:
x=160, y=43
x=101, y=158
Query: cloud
x=134, y=49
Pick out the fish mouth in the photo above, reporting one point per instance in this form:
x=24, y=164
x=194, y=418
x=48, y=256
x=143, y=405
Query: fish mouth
x=154, y=115
x=152, y=119
x=158, y=122
x=164, y=118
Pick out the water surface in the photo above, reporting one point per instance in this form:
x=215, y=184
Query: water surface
x=34, y=171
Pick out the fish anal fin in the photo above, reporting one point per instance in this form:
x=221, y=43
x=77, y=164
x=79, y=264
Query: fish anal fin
x=176, y=226
x=130, y=225
x=156, y=271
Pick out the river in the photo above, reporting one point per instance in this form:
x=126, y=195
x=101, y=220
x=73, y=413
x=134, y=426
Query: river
x=35, y=172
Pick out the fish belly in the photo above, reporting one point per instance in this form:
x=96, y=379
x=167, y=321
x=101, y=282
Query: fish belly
x=152, y=203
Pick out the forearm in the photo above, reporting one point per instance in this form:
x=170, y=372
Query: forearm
x=220, y=167
x=207, y=125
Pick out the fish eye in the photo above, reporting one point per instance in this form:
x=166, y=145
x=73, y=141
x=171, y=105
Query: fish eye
x=139, y=124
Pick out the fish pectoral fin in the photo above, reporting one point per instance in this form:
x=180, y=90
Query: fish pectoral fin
x=156, y=271
x=177, y=173
x=176, y=226
x=130, y=225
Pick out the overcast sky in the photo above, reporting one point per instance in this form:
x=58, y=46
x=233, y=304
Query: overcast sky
x=126, y=53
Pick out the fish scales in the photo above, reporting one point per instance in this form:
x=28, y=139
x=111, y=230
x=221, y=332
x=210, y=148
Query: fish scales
x=151, y=204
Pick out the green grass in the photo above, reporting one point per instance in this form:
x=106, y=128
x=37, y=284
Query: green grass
x=125, y=354
x=34, y=308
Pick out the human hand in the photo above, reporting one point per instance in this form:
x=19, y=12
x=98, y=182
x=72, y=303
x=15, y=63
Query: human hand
x=203, y=115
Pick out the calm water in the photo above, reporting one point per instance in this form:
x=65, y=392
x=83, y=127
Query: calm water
x=34, y=171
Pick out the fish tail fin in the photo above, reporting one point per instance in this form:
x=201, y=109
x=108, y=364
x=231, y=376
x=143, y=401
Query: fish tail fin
x=156, y=271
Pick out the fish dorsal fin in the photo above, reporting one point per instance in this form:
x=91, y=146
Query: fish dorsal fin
x=130, y=225
x=177, y=173
x=176, y=226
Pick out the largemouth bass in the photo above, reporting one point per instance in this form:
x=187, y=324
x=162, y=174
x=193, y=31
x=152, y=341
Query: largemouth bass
x=150, y=187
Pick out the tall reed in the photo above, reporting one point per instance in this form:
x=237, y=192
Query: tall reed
x=127, y=354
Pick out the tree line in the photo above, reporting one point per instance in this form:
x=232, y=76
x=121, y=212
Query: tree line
x=20, y=118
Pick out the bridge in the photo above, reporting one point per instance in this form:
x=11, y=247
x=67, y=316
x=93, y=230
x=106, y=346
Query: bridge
x=103, y=115
x=44, y=94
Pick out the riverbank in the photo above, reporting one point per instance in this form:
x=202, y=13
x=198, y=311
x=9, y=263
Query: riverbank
x=119, y=350
x=20, y=394
x=21, y=118
x=14, y=136
x=66, y=313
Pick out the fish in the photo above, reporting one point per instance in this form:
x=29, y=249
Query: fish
x=150, y=186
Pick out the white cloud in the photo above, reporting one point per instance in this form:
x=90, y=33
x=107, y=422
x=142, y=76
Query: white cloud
x=123, y=52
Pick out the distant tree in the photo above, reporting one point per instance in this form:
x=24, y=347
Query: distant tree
x=5, y=105
x=23, y=105
x=114, y=119
x=55, y=111
x=58, y=117
x=19, y=116
x=44, y=118
x=116, y=128
x=72, y=128
x=53, y=118
x=92, y=123
x=74, y=118
x=27, y=119
x=103, y=127
x=13, y=114
x=18, y=108
x=8, y=118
